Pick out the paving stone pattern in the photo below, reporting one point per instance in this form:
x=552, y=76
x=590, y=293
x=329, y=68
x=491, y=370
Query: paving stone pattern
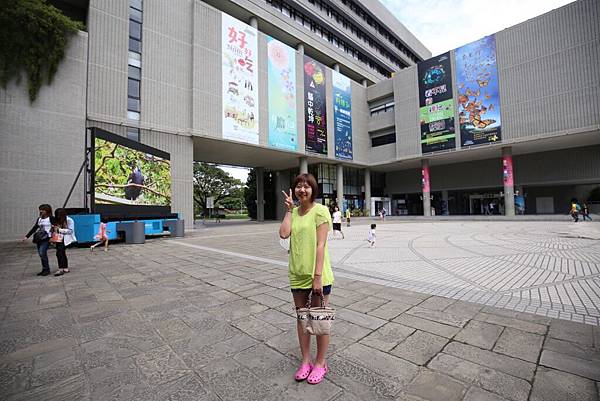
x=209, y=317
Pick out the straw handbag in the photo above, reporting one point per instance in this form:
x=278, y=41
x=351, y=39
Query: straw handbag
x=316, y=320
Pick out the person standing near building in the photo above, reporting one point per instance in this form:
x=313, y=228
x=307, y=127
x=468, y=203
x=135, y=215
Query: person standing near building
x=309, y=267
x=337, y=222
x=64, y=228
x=585, y=212
x=371, y=236
x=348, y=215
x=575, y=211
x=41, y=231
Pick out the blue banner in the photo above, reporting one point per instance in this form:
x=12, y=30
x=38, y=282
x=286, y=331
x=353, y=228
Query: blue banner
x=342, y=116
x=281, y=68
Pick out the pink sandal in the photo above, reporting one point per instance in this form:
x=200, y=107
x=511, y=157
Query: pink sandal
x=317, y=375
x=303, y=371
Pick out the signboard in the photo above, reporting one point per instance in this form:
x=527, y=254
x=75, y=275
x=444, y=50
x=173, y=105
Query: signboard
x=436, y=106
x=342, y=116
x=478, y=98
x=315, y=108
x=281, y=68
x=240, y=80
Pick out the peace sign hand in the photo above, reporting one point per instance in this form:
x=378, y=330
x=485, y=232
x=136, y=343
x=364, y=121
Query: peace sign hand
x=288, y=200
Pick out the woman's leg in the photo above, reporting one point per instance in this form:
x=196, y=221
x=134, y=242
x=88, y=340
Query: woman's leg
x=43, y=252
x=300, y=299
x=322, y=341
x=106, y=245
x=61, y=256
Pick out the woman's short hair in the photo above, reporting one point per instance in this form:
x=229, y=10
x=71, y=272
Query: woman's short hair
x=312, y=183
x=46, y=207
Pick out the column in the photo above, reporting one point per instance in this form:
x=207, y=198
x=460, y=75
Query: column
x=508, y=180
x=365, y=83
x=303, y=165
x=300, y=48
x=336, y=67
x=260, y=194
x=426, y=187
x=340, y=186
x=445, y=201
x=253, y=22
x=367, y=192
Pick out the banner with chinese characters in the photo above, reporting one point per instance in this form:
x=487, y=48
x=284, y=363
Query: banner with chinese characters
x=240, y=80
x=478, y=98
x=282, y=95
x=436, y=106
x=315, y=108
x=342, y=115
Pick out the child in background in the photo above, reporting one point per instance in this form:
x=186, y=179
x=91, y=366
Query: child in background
x=101, y=236
x=371, y=236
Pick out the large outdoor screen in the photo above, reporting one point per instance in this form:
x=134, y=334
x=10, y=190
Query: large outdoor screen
x=129, y=178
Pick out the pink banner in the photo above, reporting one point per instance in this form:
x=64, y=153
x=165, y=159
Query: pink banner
x=507, y=170
x=425, y=179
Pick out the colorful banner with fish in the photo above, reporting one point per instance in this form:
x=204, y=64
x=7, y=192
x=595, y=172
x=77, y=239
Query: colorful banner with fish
x=342, y=115
x=240, y=80
x=478, y=99
x=436, y=106
x=315, y=106
x=281, y=68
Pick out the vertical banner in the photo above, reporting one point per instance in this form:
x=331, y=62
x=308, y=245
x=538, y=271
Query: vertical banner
x=342, y=115
x=282, y=95
x=507, y=171
x=478, y=99
x=436, y=106
x=315, y=108
x=425, y=179
x=240, y=80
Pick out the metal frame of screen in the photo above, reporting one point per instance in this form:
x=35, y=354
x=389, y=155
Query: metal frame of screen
x=123, y=212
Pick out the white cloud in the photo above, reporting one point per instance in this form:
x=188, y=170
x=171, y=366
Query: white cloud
x=447, y=24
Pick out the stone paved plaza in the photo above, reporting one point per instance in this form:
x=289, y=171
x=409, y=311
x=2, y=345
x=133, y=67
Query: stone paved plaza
x=209, y=316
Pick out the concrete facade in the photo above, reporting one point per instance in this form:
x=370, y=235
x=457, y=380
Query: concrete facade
x=549, y=95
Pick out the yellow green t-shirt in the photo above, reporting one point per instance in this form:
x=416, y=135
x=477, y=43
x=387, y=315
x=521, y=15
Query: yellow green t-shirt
x=303, y=247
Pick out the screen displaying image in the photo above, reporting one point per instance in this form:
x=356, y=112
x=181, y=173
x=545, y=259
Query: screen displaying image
x=126, y=176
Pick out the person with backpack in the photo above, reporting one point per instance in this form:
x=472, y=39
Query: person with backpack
x=41, y=232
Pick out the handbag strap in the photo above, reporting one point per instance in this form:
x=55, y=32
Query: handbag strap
x=309, y=301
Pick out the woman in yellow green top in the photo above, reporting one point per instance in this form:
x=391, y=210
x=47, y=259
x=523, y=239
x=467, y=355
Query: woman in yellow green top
x=309, y=267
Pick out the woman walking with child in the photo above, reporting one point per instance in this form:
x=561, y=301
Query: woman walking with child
x=309, y=268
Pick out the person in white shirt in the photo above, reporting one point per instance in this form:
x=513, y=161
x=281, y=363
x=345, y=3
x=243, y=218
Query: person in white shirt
x=337, y=222
x=371, y=236
x=64, y=235
x=43, y=224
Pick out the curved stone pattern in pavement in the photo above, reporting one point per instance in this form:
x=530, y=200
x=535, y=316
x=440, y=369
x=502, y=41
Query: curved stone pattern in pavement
x=547, y=268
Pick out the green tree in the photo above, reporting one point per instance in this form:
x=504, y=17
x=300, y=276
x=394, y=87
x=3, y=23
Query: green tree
x=33, y=39
x=210, y=180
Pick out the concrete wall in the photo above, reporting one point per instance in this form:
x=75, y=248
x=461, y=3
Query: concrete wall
x=42, y=143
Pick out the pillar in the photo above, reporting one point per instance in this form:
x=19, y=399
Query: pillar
x=367, y=192
x=365, y=83
x=336, y=67
x=426, y=187
x=340, y=186
x=303, y=165
x=260, y=194
x=300, y=48
x=508, y=180
x=253, y=22
x=445, y=201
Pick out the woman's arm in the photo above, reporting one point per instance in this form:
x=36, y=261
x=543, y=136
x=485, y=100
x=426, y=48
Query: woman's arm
x=286, y=225
x=321, y=242
x=70, y=227
x=33, y=229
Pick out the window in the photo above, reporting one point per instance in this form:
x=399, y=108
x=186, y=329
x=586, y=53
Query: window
x=133, y=115
x=135, y=15
x=133, y=104
x=135, y=30
x=384, y=108
x=137, y=4
x=133, y=134
x=133, y=88
x=135, y=45
x=134, y=72
x=383, y=140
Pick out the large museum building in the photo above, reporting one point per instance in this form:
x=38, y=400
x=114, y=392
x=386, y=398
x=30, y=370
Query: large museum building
x=508, y=124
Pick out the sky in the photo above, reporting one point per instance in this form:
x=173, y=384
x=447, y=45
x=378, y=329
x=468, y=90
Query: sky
x=443, y=25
